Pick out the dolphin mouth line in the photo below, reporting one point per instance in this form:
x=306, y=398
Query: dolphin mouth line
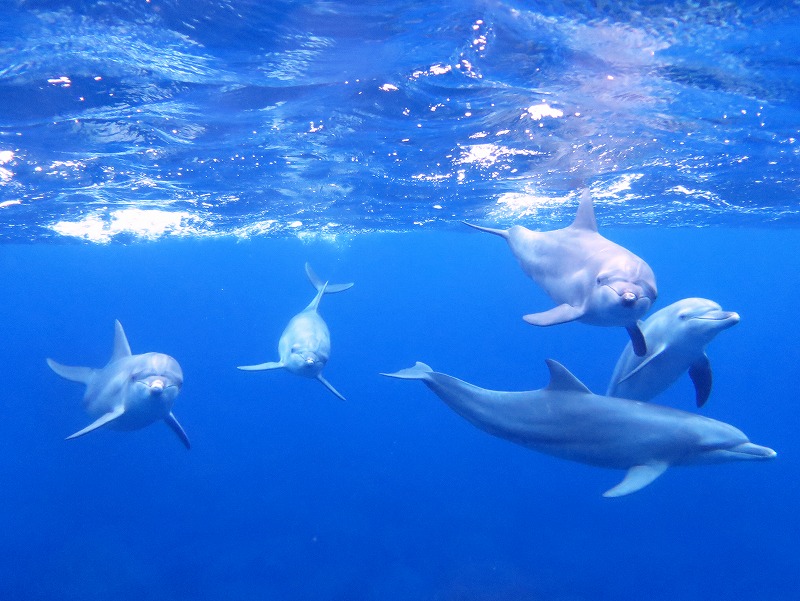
x=725, y=317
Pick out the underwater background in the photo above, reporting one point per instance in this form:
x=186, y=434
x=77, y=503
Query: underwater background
x=174, y=164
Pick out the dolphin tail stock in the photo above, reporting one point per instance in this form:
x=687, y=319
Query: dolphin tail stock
x=75, y=374
x=99, y=422
x=261, y=366
x=419, y=371
x=330, y=387
x=175, y=426
x=319, y=284
x=490, y=230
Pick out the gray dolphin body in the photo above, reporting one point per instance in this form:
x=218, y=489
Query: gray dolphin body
x=592, y=279
x=566, y=420
x=131, y=391
x=305, y=345
x=677, y=337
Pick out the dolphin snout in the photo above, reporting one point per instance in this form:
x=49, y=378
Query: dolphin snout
x=628, y=298
x=157, y=386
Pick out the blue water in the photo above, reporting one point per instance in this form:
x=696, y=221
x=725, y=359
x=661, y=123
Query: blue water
x=173, y=165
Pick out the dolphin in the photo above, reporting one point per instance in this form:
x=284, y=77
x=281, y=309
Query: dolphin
x=592, y=279
x=677, y=337
x=566, y=420
x=131, y=391
x=305, y=345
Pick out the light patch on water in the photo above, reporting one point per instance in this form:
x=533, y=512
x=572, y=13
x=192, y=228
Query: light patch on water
x=9, y=203
x=517, y=205
x=5, y=175
x=6, y=156
x=148, y=224
x=487, y=155
x=622, y=183
x=537, y=112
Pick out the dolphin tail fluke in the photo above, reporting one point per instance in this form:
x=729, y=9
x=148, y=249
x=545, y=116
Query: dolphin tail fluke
x=490, y=230
x=637, y=339
x=261, y=366
x=328, y=385
x=637, y=478
x=76, y=374
x=172, y=422
x=419, y=371
x=318, y=283
x=99, y=422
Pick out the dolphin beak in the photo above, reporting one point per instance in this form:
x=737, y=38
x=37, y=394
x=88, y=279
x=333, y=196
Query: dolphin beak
x=628, y=298
x=753, y=450
x=157, y=386
x=721, y=315
x=309, y=361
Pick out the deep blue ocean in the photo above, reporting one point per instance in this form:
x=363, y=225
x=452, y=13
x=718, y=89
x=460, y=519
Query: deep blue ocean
x=174, y=164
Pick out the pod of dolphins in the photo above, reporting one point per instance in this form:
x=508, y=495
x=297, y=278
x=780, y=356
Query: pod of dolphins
x=592, y=280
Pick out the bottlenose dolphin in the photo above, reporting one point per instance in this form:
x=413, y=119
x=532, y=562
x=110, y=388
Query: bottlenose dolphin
x=305, y=345
x=592, y=279
x=566, y=420
x=131, y=391
x=676, y=336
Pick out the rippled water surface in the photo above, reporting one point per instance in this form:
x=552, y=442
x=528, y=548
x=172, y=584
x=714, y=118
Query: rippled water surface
x=240, y=118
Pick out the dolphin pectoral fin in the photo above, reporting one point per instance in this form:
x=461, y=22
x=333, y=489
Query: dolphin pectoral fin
x=645, y=362
x=327, y=385
x=490, y=230
x=556, y=315
x=637, y=339
x=261, y=366
x=99, y=422
x=700, y=373
x=76, y=374
x=637, y=478
x=172, y=422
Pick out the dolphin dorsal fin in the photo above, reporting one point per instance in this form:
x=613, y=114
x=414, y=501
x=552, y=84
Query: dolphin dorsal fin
x=562, y=379
x=585, y=220
x=121, y=346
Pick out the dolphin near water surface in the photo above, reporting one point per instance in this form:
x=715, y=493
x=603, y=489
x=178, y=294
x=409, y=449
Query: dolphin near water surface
x=305, y=345
x=592, y=279
x=566, y=420
x=677, y=337
x=131, y=391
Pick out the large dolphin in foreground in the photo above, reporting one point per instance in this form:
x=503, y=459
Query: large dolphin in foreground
x=131, y=391
x=305, y=345
x=677, y=337
x=566, y=420
x=592, y=279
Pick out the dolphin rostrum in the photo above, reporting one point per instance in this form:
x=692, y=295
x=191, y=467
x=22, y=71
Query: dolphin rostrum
x=131, y=391
x=305, y=345
x=676, y=336
x=592, y=279
x=566, y=420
